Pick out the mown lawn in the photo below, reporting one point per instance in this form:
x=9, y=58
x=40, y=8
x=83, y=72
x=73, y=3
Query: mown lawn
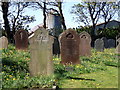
x=102, y=79
x=100, y=70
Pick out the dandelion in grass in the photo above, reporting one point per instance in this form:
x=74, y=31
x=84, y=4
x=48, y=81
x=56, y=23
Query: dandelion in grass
x=14, y=78
x=10, y=76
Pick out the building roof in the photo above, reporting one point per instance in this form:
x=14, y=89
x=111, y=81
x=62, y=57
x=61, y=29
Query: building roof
x=108, y=22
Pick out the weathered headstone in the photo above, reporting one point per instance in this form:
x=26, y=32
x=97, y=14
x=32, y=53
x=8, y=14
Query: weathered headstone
x=85, y=44
x=41, y=53
x=56, y=47
x=99, y=45
x=69, y=47
x=111, y=43
x=105, y=42
x=21, y=39
x=118, y=46
x=3, y=42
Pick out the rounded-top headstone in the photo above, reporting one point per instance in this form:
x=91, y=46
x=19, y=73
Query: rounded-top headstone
x=69, y=47
x=21, y=39
x=111, y=43
x=118, y=46
x=99, y=45
x=3, y=42
x=85, y=44
x=105, y=42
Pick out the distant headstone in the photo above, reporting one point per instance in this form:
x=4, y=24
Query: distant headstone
x=69, y=45
x=56, y=47
x=3, y=42
x=118, y=46
x=99, y=45
x=41, y=53
x=105, y=42
x=85, y=44
x=111, y=43
x=21, y=39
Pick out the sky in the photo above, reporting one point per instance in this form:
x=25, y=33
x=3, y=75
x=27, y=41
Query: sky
x=70, y=22
x=67, y=6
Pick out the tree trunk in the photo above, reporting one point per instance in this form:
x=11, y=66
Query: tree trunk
x=44, y=14
x=5, y=6
x=61, y=15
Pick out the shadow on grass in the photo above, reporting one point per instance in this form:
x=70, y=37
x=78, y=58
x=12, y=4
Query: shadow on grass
x=81, y=78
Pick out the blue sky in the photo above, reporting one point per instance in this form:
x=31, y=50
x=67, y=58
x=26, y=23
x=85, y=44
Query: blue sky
x=67, y=6
x=70, y=23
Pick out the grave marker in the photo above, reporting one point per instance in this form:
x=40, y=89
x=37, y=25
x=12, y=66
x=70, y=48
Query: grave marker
x=118, y=46
x=99, y=45
x=41, y=53
x=85, y=44
x=69, y=45
x=105, y=42
x=111, y=43
x=21, y=39
x=3, y=42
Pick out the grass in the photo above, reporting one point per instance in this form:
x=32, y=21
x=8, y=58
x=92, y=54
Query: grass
x=97, y=71
x=102, y=79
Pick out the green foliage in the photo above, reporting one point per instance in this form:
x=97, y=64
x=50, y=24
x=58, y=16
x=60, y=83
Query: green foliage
x=109, y=32
x=86, y=28
x=15, y=72
x=96, y=62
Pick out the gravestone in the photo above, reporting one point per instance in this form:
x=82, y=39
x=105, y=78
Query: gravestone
x=69, y=47
x=111, y=43
x=105, y=42
x=99, y=45
x=118, y=46
x=85, y=44
x=3, y=42
x=41, y=53
x=21, y=39
x=56, y=46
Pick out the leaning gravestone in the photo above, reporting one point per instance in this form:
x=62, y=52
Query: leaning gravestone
x=105, y=42
x=69, y=45
x=99, y=45
x=85, y=44
x=21, y=39
x=118, y=46
x=41, y=53
x=3, y=42
x=111, y=43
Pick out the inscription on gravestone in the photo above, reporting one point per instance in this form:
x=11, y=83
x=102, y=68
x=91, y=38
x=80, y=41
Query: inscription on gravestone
x=41, y=53
x=21, y=39
x=69, y=47
x=3, y=42
x=99, y=45
x=85, y=44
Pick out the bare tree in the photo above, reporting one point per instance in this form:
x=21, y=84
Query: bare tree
x=88, y=12
x=14, y=18
x=5, y=6
x=109, y=11
x=55, y=6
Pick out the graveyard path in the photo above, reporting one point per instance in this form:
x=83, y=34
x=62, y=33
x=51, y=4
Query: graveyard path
x=102, y=79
